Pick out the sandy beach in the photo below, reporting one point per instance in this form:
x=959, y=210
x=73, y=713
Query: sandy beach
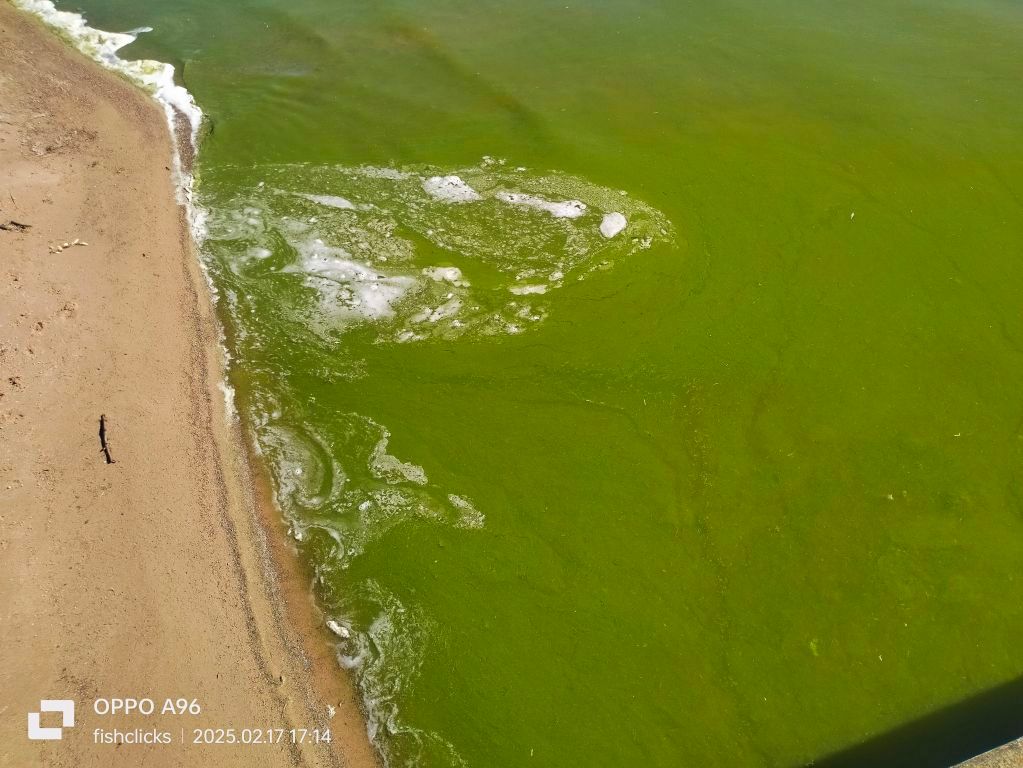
x=159, y=575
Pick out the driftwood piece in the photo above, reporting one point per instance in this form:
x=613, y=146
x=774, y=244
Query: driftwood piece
x=103, y=443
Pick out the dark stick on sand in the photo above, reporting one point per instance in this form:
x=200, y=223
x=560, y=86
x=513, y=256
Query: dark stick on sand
x=104, y=445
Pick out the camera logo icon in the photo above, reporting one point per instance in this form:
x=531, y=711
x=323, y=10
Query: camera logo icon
x=66, y=707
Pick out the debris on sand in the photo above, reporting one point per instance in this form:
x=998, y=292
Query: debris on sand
x=60, y=248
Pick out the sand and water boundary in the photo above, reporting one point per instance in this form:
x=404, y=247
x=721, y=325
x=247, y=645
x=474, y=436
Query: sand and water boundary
x=166, y=573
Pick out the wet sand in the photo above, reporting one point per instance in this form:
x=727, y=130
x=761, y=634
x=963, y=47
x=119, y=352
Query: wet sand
x=163, y=574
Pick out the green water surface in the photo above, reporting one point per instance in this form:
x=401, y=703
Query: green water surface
x=749, y=496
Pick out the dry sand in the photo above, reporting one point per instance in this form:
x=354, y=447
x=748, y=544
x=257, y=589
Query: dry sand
x=158, y=575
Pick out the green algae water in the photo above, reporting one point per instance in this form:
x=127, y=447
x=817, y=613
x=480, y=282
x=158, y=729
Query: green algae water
x=641, y=379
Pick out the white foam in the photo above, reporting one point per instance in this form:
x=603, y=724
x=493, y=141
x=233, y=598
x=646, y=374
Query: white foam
x=448, y=309
x=230, y=412
x=525, y=290
x=528, y=242
x=565, y=209
x=470, y=516
x=387, y=657
x=346, y=286
x=332, y=201
x=390, y=468
x=375, y=172
x=445, y=275
x=338, y=629
x=450, y=189
x=156, y=77
x=612, y=224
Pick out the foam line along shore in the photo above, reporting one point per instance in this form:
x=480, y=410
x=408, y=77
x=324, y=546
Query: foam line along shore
x=634, y=379
x=151, y=569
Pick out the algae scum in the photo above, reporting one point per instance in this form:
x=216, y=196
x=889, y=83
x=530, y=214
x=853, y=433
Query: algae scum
x=642, y=379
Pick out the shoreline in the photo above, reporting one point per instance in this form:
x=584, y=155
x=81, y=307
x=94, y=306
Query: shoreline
x=291, y=583
x=209, y=587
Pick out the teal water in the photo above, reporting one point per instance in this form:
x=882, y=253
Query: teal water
x=738, y=485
